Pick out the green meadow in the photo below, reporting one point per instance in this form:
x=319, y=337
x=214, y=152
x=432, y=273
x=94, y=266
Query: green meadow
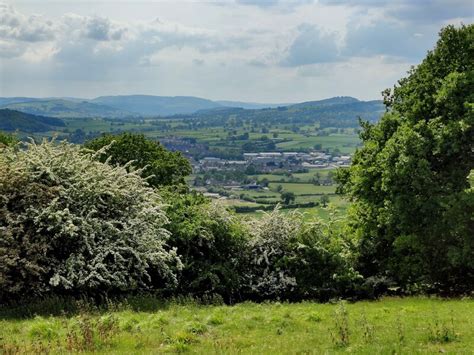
x=147, y=326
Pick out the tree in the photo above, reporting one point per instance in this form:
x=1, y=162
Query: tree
x=413, y=204
x=264, y=182
x=324, y=200
x=161, y=166
x=316, y=180
x=288, y=197
x=251, y=170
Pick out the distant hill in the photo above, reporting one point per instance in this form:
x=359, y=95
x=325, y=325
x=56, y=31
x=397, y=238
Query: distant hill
x=250, y=105
x=333, y=112
x=333, y=101
x=342, y=107
x=11, y=120
x=13, y=100
x=149, y=105
x=66, y=108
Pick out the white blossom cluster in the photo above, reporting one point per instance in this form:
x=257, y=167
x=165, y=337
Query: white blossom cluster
x=268, y=247
x=68, y=222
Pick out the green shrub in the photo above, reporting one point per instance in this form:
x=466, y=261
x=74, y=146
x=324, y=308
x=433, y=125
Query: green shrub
x=322, y=261
x=69, y=223
x=7, y=139
x=211, y=243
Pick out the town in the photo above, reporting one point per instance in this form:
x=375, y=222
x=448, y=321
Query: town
x=267, y=162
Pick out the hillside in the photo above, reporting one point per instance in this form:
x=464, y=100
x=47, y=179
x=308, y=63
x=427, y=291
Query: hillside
x=11, y=120
x=250, y=105
x=334, y=112
x=333, y=101
x=148, y=105
x=66, y=108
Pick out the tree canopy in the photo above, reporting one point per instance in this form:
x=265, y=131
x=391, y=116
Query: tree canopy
x=413, y=205
x=161, y=166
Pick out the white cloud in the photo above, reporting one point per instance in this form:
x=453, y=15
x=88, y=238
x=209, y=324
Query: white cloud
x=16, y=26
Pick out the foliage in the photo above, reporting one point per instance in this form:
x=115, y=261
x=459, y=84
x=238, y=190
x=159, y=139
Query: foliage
x=322, y=262
x=413, y=207
x=71, y=224
x=270, y=246
x=295, y=260
x=7, y=139
x=211, y=243
x=160, y=166
x=287, y=197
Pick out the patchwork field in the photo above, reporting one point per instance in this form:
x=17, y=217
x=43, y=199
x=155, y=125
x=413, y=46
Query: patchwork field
x=147, y=326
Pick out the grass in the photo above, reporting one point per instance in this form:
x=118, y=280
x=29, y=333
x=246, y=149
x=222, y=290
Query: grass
x=300, y=189
x=389, y=326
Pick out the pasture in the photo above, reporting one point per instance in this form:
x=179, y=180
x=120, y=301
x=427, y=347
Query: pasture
x=149, y=326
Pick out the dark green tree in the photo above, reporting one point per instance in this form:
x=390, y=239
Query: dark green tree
x=413, y=205
x=162, y=166
x=288, y=197
x=324, y=200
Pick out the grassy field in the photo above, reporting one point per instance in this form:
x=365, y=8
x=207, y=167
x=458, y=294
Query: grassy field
x=389, y=326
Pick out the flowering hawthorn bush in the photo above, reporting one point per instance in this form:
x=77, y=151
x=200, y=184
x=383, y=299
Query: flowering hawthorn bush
x=69, y=223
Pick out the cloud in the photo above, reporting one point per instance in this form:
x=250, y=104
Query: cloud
x=416, y=12
x=389, y=39
x=258, y=2
x=10, y=50
x=101, y=29
x=269, y=3
x=312, y=45
x=430, y=11
x=16, y=26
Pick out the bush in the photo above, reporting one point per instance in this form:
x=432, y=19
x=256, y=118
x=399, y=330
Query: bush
x=270, y=247
x=211, y=243
x=71, y=224
x=295, y=260
x=7, y=140
x=322, y=261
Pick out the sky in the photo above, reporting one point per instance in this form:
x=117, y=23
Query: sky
x=271, y=51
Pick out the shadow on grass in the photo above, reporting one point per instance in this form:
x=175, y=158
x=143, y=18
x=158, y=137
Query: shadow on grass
x=69, y=306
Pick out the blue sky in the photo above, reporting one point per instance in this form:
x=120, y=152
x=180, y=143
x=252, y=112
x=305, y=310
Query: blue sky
x=249, y=50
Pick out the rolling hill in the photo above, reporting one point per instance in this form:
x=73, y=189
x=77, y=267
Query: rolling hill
x=334, y=112
x=343, y=109
x=149, y=105
x=11, y=120
x=66, y=108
